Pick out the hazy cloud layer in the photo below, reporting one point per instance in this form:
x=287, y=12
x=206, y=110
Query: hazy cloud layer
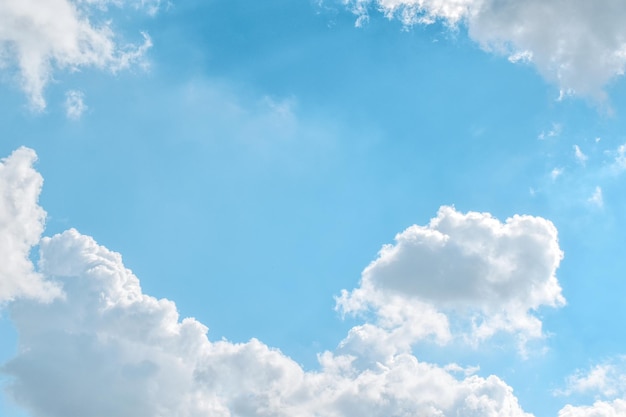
x=38, y=37
x=578, y=45
x=463, y=273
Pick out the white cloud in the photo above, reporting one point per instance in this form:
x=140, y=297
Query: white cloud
x=415, y=11
x=580, y=156
x=578, y=45
x=467, y=273
x=619, y=164
x=38, y=37
x=21, y=225
x=596, y=380
x=555, y=173
x=605, y=380
x=74, y=104
x=108, y=349
x=596, y=198
x=616, y=408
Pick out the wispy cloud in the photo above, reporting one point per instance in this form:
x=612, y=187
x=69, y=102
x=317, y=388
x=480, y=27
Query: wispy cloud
x=598, y=409
x=554, y=131
x=596, y=198
x=606, y=380
x=619, y=163
x=555, y=173
x=580, y=156
x=74, y=104
x=416, y=291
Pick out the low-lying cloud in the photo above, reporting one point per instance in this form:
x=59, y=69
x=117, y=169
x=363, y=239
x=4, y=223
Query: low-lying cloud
x=91, y=343
x=39, y=37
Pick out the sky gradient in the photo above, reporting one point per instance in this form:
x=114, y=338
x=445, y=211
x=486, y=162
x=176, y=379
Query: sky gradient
x=312, y=208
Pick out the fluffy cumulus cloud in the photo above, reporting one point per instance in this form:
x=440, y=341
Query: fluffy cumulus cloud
x=579, y=45
x=21, y=225
x=107, y=349
x=463, y=273
x=38, y=37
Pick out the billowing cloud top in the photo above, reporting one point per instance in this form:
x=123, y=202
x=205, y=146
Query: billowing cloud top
x=468, y=272
x=578, y=44
x=38, y=36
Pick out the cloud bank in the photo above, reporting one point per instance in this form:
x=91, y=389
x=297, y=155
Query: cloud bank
x=91, y=343
x=38, y=37
x=578, y=45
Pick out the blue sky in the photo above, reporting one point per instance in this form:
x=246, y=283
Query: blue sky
x=249, y=160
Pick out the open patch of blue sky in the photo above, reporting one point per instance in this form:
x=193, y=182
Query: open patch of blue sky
x=251, y=160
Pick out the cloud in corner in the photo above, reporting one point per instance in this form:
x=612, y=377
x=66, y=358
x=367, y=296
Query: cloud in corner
x=39, y=37
x=580, y=46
